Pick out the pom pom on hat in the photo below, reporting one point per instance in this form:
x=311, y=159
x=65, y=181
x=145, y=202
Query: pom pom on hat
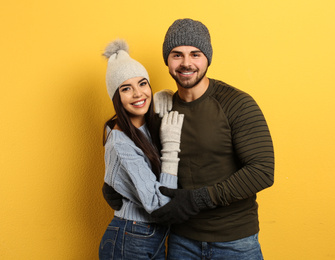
x=121, y=66
x=116, y=46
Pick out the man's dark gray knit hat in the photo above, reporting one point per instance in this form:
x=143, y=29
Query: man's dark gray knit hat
x=188, y=32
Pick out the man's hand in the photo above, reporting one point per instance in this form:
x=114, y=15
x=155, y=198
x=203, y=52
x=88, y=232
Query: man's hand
x=183, y=205
x=113, y=198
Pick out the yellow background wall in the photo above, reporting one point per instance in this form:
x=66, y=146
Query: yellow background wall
x=53, y=104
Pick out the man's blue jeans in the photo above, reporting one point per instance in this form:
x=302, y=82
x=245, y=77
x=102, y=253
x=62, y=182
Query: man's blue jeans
x=243, y=249
x=130, y=240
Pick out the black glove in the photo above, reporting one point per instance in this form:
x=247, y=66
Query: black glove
x=183, y=205
x=113, y=198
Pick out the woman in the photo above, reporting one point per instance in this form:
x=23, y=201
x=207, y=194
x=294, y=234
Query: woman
x=132, y=159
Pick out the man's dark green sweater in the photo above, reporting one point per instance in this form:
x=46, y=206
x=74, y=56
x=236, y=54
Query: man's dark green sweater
x=225, y=146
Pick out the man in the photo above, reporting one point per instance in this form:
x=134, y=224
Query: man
x=226, y=156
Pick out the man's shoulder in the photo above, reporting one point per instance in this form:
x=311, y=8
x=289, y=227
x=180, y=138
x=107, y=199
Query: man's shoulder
x=226, y=93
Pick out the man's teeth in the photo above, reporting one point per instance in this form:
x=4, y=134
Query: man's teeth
x=187, y=73
x=138, y=103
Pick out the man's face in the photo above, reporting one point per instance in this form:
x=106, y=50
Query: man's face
x=187, y=65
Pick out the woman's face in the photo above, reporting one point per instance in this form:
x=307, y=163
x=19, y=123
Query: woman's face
x=135, y=94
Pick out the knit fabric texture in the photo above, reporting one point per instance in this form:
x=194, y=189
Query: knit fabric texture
x=121, y=66
x=129, y=172
x=188, y=32
x=232, y=157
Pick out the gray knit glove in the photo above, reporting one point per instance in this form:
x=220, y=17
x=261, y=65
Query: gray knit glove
x=163, y=101
x=170, y=133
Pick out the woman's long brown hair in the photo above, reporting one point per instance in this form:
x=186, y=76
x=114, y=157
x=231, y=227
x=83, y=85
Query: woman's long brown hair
x=121, y=118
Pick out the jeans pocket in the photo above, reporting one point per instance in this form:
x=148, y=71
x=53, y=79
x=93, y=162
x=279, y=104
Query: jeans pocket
x=107, y=244
x=141, y=229
x=144, y=241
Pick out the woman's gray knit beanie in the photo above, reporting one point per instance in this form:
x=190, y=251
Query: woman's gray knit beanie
x=188, y=32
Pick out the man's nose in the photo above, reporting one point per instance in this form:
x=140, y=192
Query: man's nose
x=186, y=61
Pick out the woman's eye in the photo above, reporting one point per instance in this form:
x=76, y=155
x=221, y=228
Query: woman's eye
x=124, y=89
x=144, y=83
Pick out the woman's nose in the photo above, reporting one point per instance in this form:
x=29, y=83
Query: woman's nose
x=137, y=92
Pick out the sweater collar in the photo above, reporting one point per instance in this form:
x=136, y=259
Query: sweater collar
x=199, y=100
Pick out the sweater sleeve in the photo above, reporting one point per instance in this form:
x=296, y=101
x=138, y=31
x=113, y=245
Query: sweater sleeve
x=254, y=149
x=129, y=173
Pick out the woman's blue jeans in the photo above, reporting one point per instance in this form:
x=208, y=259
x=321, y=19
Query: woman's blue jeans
x=130, y=240
x=243, y=249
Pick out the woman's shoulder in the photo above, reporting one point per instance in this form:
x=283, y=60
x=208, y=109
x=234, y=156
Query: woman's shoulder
x=116, y=136
x=122, y=144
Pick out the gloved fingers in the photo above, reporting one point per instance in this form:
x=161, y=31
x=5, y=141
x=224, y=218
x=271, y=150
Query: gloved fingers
x=110, y=192
x=158, y=105
x=163, y=101
x=163, y=217
x=180, y=120
x=177, y=119
x=168, y=220
x=165, y=107
x=115, y=196
x=114, y=207
x=174, y=117
x=169, y=118
x=107, y=189
x=164, y=120
x=156, y=108
x=114, y=204
x=169, y=102
x=157, y=213
x=167, y=192
x=162, y=220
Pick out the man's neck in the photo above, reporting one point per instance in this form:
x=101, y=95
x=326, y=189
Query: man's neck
x=191, y=94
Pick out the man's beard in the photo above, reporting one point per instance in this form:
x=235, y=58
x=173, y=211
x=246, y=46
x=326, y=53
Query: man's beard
x=188, y=84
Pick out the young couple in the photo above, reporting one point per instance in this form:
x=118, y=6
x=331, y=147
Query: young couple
x=208, y=198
